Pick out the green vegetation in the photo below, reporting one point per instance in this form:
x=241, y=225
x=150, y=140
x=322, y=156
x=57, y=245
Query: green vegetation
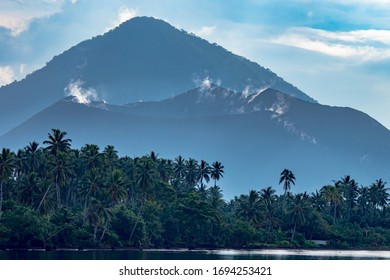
x=58, y=197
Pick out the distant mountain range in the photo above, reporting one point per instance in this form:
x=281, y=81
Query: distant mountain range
x=251, y=120
x=255, y=136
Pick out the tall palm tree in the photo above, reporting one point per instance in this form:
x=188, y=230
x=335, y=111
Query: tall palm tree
x=288, y=179
x=99, y=216
x=91, y=186
x=268, y=198
x=316, y=200
x=28, y=187
x=33, y=154
x=61, y=171
x=191, y=173
x=47, y=195
x=216, y=202
x=204, y=172
x=145, y=177
x=332, y=196
x=179, y=170
x=110, y=156
x=7, y=166
x=379, y=196
x=298, y=212
x=216, y=205
x=217, y=171
x=349, y=190
x=57, y=142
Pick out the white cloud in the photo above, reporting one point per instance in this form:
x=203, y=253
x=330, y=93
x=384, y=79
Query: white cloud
x=124, y=14
x=363, y=45
x=7, y=75
x=205, y=31
x=83, y=96
x=17, y=15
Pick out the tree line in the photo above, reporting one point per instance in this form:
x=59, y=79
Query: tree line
x=55, y=196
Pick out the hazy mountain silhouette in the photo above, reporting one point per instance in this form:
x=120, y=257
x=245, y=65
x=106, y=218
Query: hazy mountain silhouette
x=142, y=59
x=254, y=136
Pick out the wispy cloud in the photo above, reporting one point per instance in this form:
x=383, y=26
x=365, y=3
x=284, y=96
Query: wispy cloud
x=124, y=14
x=6, y=75
x=363, y=45
x=16, y=16
x=205, y=31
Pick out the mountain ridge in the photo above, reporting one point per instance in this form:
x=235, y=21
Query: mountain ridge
x=142, y=59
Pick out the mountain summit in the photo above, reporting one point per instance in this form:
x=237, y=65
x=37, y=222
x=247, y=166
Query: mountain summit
x=142, y=59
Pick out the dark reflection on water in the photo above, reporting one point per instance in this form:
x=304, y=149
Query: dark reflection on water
x=155, y=255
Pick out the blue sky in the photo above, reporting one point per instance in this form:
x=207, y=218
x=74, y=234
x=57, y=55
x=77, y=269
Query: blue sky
x=337, y=51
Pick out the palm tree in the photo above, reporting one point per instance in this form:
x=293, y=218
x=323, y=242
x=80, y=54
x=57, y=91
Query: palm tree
x=99, y=216
x=204, y=172
x=378, y=194
x=91, y=157
x=191, y=173
x=268, y=195
x=7, y=166
x=216, y=205
x=61, y=170
x=47, y=194
x=57, y=142
x=28, y=187
x=32, y=154
x=116, y=186
x=288, y=178
x=153, y=156
x=217, y=171
x=298, y=212
x=110, y=156
x=249, y=207
x=216, y=202
x=179, y=171
x=91, y=186
x=268, y=198
x=145, y=177
x=165, y=169
x=349, y=189
x=316, y=200
x=332, y=196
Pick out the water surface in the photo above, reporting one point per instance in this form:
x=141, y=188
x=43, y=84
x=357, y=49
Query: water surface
x=195, y=255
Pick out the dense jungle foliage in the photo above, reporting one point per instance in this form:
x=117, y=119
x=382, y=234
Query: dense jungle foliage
x=58, y=197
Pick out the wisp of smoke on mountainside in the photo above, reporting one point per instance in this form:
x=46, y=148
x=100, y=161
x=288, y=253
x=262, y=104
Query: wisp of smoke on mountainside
x=81, y=95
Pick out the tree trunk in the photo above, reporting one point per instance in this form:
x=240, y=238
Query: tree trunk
x=136, y=221
x=293, y=234
x=58, y=193
x=43, y=198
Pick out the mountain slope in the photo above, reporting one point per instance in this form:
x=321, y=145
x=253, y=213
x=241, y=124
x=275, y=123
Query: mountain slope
x=319, y=143
x=142, y=59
